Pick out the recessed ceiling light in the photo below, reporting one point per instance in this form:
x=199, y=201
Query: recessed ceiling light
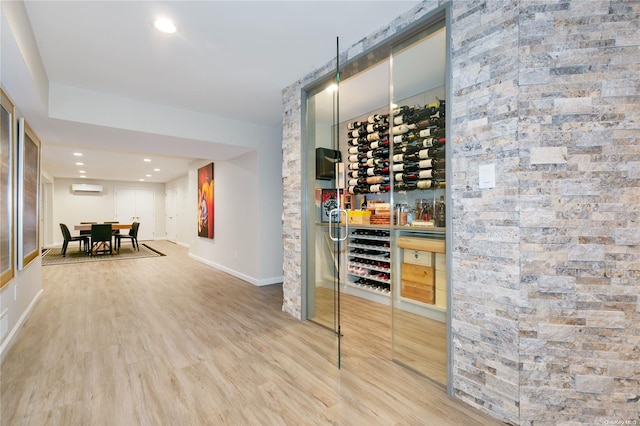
x=77, y=154
x=141, y=180
x=148, y=175
x=82, y=176
x=148, y=160
x=79, y=164
x=156, y=170
x=165, y=25
x=81, y=171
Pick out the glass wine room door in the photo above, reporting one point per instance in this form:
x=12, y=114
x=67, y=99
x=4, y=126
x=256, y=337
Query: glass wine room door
x=322, y=200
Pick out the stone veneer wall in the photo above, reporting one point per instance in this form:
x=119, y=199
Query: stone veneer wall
x=546, y=265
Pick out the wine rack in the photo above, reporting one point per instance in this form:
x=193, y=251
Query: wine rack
x=418, y=147
x=369, y=255
x=368, y=155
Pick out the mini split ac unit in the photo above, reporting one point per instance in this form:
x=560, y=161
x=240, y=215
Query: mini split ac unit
x=81, y=187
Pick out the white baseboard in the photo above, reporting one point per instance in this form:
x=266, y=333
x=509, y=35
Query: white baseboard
x=6, y=345
x=244, y=277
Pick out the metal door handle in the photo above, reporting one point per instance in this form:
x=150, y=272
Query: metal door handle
x=337, y=213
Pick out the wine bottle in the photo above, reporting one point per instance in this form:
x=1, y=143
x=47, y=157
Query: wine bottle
x=354, y=166
x=398, y=130
x=377, y=179
x=424, y=184
x=376, y=118
x=354, y=174
x=436, y=152
x=434, y=132
x=360, y=131
x=432, y=174
x=432, y=163
x=377, y=170
x=380, y=143
x=379, y=188
x=354, y=125
x=406, y=167
x=377, y=127
x=405, y=186
x=375, y=136
x=358, y=190
x=406, y=177
x=354, y=150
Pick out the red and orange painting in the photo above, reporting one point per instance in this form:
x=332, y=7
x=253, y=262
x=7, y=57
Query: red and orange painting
x=205, y=201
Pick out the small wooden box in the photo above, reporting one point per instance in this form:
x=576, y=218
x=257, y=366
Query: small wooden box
x=421, y=294
x=417, y=257
x=418, y=282
x=422, y=244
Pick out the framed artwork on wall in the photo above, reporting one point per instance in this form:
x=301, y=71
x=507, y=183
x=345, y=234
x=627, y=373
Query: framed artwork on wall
x=328, y=202
x=205, y=201
x=7, y=190
x=28, y=194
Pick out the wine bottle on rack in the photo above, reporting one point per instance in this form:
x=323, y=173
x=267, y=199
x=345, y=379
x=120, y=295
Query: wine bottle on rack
x=406, y=167
x=354, y=125
x=432, y=174
x=372, y=162
x=436, y=152
x=376, y=118
x=406, y=177
x=358, y=190
x=376, y=179
x=400, y=129
x=424, y=184
x=432, y=163
x=379, y=144
x=405, y=186
x=379, y=188
x=377, y=127
x=377, y=170
x=433, y=132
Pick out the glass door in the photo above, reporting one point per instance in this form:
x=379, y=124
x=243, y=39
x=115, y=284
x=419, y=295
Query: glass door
x=419, y=299
x=324, y=202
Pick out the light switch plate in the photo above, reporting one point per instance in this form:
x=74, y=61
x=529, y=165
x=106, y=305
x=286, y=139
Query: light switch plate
x=487, y=176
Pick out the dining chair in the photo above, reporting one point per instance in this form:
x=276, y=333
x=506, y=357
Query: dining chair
x=101, y=238
x=83, y=240
x=87, y=233
x=133, y=236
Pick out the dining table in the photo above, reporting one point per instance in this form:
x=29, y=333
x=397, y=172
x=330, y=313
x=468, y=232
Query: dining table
x=114, y=226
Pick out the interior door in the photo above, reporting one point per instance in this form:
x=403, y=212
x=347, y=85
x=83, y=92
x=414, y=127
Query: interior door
x=324, y=234
x=171, y=221
x=137, y=205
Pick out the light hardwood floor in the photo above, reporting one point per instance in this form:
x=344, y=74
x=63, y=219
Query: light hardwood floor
x=170, y=341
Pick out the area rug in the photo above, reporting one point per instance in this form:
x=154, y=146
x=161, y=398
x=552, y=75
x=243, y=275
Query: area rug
x=53, y=256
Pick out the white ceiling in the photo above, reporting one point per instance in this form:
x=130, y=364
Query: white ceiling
x=229, y=59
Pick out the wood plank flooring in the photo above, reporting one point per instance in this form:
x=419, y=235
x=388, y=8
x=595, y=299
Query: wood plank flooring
x=170, y=341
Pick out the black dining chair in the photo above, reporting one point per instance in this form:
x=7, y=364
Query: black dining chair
x=101, y=238
x=87, y=233
x=133, y=236
x=83, y=240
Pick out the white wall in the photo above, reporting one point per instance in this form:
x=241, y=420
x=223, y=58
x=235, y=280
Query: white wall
x=72, y=208
x=248, y=199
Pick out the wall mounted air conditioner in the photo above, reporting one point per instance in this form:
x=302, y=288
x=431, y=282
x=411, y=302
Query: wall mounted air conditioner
x=84, y=188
